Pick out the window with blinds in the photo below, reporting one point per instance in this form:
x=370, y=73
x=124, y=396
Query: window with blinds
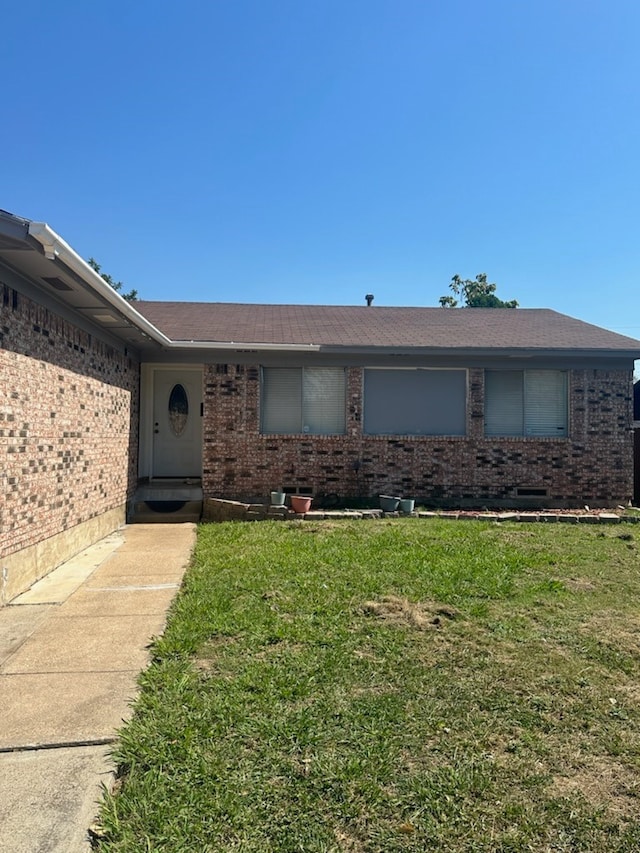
x=309, y=400
x=525, y=402
x=415, y=402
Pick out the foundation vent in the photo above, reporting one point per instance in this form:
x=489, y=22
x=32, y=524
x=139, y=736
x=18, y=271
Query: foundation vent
x=531, y=492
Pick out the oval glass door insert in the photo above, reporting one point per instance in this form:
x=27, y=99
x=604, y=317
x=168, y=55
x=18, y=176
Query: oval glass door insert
x=178, y=410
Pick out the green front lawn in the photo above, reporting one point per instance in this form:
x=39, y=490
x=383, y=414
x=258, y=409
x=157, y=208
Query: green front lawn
x=402, y=685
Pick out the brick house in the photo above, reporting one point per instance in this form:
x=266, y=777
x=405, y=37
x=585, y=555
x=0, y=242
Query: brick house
x=105, y=402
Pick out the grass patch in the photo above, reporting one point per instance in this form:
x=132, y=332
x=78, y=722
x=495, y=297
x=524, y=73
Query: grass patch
x=353, y=687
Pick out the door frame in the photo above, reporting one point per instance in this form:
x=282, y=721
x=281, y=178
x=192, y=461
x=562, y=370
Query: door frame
x=148, y=372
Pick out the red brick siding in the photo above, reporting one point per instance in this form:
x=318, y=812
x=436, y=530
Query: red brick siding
x=594, y=465
x=68, y=424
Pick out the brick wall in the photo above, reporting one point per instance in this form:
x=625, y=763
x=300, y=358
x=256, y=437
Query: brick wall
x=594, y=465
x=69, y=409
x=636, y=456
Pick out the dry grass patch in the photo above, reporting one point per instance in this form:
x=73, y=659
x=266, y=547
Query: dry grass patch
x=605, y=784
x=400, y=611
x=580, y=584
x=348, y=843
x=618, y=629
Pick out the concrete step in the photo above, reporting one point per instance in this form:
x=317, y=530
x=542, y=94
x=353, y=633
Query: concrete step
x=165, y=511
x=176, y=489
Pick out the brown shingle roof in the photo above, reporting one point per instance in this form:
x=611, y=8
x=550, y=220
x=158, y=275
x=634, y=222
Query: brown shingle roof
x=361, y=326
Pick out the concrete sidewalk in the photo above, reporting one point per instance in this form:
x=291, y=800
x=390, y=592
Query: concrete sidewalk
x=71, y=649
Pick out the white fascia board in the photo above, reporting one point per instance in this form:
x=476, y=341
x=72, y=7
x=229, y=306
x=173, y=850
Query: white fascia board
x=55, y=247
x=244, y=345
x=482, y=352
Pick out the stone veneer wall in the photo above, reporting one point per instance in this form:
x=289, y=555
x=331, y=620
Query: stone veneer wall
x=68, y=425
x=594, y=465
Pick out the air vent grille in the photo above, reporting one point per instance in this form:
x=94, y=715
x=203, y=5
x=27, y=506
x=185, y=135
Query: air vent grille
x=57, y=283
x=530, y=492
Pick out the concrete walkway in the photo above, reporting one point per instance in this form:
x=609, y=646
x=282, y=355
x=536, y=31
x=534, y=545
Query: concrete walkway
x=71, y=649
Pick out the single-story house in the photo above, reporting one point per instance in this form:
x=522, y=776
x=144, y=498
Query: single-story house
x=104, y=398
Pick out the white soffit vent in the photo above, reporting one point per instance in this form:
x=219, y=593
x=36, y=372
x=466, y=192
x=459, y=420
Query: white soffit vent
x=105, y=318
x=57, y=283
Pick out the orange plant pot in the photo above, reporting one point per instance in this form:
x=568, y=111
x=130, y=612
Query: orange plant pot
x=300, y=503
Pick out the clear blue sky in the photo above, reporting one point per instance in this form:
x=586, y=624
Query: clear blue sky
x=299, y=151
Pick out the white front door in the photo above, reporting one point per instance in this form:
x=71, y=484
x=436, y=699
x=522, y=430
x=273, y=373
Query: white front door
x=177, y=423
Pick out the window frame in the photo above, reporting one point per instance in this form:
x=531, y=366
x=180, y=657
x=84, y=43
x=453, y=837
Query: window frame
x=306, y=402
x=529, y=413
x=414, y=434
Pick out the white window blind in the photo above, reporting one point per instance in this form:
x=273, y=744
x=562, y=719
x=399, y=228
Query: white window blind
x=323, y=405
x=282, y=399
x=303, y=400
x=545, y=402
x=504, y=402
x=526, y=402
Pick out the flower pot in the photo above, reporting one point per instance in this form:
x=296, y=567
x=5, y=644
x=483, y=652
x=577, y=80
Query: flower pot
x=407, y=505
x=300, y=503
x=388, y=503
x=277, y=498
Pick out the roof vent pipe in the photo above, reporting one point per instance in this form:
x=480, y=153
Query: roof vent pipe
x=369, y=298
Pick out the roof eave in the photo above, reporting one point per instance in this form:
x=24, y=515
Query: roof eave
x=450, y=352
x=55, y=248
x=505, y=352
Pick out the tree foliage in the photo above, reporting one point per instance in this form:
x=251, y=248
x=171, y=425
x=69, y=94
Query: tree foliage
x=130, y=295
x=474, y=293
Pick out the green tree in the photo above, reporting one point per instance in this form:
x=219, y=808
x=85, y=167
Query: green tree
x=474, y=293
x=130, y=295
